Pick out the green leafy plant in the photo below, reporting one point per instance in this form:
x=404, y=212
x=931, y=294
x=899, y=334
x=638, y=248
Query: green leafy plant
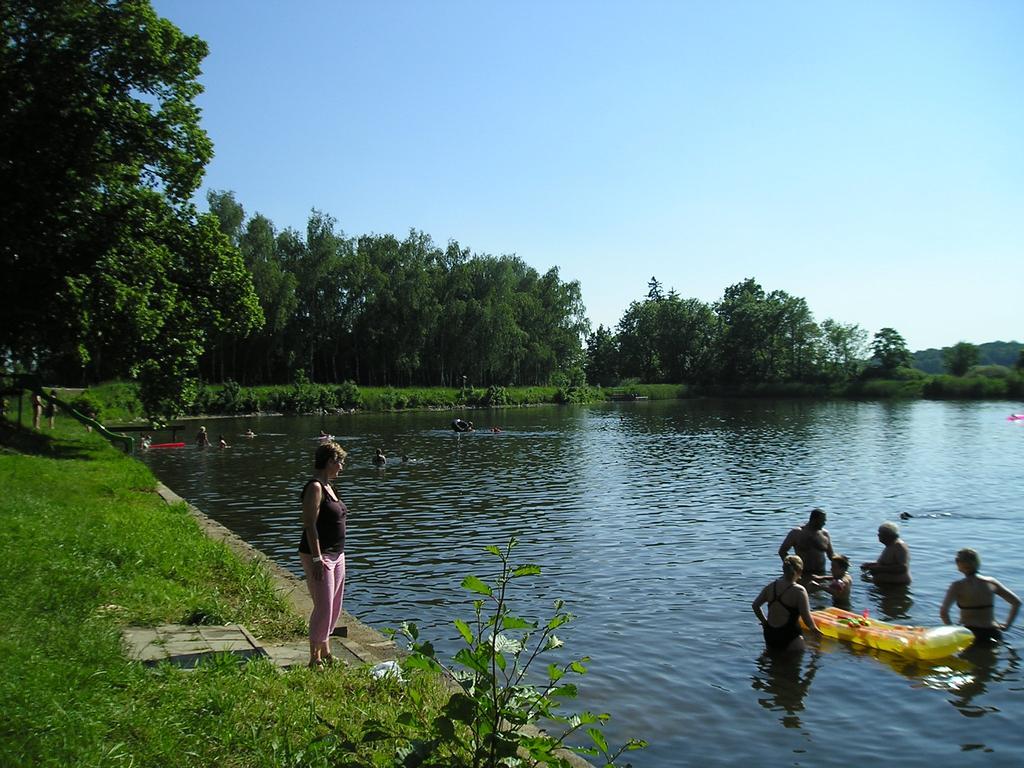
x=490, y=719
x=497, y=396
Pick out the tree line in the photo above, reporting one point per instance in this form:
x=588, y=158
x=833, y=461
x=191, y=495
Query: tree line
x=749, y=336
x=381, y=311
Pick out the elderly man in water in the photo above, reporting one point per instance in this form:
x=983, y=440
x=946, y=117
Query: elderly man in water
x=812, y=543
x=893, y=565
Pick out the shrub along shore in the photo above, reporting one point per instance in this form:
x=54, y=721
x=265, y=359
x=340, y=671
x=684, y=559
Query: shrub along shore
x=119, y=401
x=87, y=547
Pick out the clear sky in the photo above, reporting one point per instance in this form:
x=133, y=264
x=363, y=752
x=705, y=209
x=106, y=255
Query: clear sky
x=868, y=156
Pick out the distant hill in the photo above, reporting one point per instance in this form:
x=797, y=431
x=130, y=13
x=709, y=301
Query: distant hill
x=990, y=353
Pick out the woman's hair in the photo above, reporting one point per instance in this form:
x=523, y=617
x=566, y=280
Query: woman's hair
x=792, y=564
x=970, y=558
x=326, y=451
x=842, y=559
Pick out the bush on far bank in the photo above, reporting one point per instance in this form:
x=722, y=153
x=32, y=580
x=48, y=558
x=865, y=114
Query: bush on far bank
x=118, y=401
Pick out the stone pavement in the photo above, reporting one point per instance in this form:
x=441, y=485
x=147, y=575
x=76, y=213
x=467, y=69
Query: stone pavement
x=185, y=646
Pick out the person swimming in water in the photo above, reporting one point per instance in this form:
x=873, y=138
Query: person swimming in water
x=379, y=458
x=461, y=425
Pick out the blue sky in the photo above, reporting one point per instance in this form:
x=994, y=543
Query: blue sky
x=868, y=157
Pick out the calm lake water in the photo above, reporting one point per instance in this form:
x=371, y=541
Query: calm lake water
x=658, y=523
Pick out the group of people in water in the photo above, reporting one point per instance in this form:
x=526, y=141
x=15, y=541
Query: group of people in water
x=784, y=603
x=203, y=439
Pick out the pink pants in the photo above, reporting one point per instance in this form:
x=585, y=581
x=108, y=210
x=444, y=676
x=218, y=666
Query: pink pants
x=326, y=593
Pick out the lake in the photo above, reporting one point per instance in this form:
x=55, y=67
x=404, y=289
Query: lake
x=658, y=523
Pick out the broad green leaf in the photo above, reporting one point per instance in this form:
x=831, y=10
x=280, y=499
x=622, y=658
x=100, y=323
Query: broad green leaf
x=567, y=691
x=526, y=570
x=468, y=659
x=578, y=668
x=464, y=630
x=514, y=622
x=559, y=620
x=406, y=718
x=555, y=673
x=493, y=550
x=598, y=738
x=473, y=584
x=460, y=708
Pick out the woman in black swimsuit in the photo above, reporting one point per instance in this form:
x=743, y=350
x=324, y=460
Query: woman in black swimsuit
x=787, y=604
x=973, y=595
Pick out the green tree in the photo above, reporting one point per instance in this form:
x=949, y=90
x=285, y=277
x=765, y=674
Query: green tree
x=745, y=335
x=637, y=333
x=959, y=358
x=105, y=262
x=890, y=350
x=843, y=346
x=264, y=355
x=602, y=365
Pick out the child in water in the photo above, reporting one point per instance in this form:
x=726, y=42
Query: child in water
x=839, y=583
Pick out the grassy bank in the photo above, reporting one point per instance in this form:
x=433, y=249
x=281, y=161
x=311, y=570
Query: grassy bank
x=86, y=548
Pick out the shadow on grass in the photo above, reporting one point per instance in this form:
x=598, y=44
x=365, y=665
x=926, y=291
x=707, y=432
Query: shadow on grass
x=17, y=439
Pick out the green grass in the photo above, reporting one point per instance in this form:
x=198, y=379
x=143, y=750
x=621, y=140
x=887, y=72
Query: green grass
x=87, y=547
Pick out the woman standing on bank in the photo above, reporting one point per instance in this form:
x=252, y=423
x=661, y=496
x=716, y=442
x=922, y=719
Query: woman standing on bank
x=322, y=549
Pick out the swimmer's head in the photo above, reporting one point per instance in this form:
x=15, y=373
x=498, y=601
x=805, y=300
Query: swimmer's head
x=840, y=563
x=888, y=532
x=970, y=560
x=817, y=518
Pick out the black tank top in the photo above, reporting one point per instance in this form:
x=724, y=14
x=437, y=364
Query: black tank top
x=330, y=523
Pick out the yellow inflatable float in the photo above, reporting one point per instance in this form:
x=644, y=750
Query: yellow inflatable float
x=913, y=642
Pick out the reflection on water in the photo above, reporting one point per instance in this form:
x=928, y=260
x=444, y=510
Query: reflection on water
x=893, y=602
x=658, y=523
x=990, y=664
x=784, y=680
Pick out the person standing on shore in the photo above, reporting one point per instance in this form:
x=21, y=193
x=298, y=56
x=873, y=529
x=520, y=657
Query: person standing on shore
x=51, y=408
x=811, y=543
x=37, y=410
x=322, y=549
x=973, y=594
